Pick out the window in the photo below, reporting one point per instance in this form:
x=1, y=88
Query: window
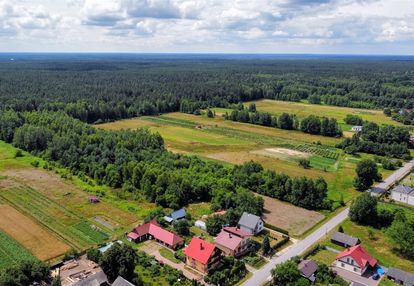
x=343, y=264
x=355, y=270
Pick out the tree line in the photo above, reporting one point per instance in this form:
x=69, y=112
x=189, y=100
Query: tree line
x=137, y=162
x=311, y=124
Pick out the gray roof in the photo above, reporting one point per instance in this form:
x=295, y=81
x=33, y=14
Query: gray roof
x=377, y=190
x=307, y=267
x=357, y=284
x=345, y=239
x=178, y=214
x=97, y=279
x=249, y=220
x=119, y=281
x=406, y=277
x=403, y=189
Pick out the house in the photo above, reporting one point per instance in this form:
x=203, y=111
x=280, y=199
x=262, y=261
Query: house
x=403, y=194
x=344, y=240
x=202, y=255
x=400, y=277
x=200, y=224
x=355, y=259
x=251, y=223
x=119, y=281
x=97, y=279
x=93, y=199
x=176, y=215
x=376, y=192
x=233, y=241
x=152, y=230
x=356, y=128
x=308, y=268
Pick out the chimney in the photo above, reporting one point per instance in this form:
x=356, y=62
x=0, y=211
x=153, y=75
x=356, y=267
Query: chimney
x=229, y=235
x=201, y=246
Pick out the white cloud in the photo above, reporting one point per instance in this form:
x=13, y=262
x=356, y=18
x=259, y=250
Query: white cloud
x=207, y=25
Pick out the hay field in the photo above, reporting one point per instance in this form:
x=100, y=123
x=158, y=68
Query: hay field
x=30, y=234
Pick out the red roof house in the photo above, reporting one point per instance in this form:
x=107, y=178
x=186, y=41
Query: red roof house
x=152, y=230
x=202, y=255
x=233, y=241
x=355, y=259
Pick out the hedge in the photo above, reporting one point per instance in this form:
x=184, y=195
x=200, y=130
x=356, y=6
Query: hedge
x=275, y=228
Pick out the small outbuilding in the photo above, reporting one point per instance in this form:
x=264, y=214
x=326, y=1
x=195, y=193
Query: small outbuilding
x=308, y=268
x=344, y=240
x=176, y=215
x=376, y=192
x=93, y=199
x=400, y=277
x=200, y=224
x=119, y=281
x=356, y=128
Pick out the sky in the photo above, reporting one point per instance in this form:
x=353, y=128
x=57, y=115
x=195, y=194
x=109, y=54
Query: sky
x=208, y=26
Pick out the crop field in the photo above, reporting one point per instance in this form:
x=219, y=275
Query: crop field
x=302, y=110
x=296, y=220
x=28, y=233
x=11, y=251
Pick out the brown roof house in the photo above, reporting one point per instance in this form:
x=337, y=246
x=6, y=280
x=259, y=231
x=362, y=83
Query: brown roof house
x=233, y=241
x=307, y=269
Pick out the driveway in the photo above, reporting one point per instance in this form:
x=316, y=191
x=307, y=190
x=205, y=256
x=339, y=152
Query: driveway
x=352, y=277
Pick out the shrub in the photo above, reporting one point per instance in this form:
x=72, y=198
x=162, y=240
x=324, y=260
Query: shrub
x=18, y=153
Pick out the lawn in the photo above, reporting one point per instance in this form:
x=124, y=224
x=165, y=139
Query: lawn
x=168, y=254
x=11, y=252
x=305, y=109
x=324, y=256
x=90, y=230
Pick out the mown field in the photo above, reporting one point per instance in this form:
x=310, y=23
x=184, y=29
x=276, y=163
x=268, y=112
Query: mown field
x=236, y=143
x=48, y=215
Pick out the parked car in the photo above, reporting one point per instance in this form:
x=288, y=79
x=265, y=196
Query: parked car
x=376, y=276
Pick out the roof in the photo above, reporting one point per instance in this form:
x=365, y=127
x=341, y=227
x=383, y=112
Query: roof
x=119, y=281
x=345, y=239
x=237, y=231
x=133, y=235
x=154, y=229
x=403, y=189
x=406, y=277
x=178, y=214
x=96, y=279
x=107, y=246
x=200, y=250
x=168, y=219
x=307, y=267
x=228, y=240
x=249, y=220
x=377, y=190
x=359, y=255
x=357, y=284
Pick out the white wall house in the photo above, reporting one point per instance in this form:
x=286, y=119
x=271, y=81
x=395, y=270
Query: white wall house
x=403, y=194
x=355, y=259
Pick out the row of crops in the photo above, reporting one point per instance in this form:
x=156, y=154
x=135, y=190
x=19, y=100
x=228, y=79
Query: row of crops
x=11, y=251
x=318, y=150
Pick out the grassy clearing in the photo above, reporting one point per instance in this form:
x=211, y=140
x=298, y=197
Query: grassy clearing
x=324, y=257
x=168, y=254
x=304, y=109
x=90, y=230
x=11, y=252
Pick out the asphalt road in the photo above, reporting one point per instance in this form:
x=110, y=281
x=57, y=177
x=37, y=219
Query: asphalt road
x=263, y=275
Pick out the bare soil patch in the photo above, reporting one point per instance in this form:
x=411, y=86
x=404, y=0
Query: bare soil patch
x=32, y=236
x=294, y=219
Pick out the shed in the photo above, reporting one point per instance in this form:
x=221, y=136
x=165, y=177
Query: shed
x=93, y=199
x=400, y=277
x=344, y=240
x=176, y=215
x=119, y=281
x=200, y=224
x=97, y=279
x=308, y=268
x=376, y=192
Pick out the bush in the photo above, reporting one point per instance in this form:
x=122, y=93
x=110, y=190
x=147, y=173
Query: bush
x=35, y=163
x=304, y=163
x=18, y=153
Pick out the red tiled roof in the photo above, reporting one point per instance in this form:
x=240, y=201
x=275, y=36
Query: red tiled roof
x=228, y=240
x=199, y=250
x=154, y=229
x=361, y=257
x=237, y=231
x=133, y=235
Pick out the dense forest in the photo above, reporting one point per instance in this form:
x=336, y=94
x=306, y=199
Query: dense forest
x=111, y=88
x=137, y=162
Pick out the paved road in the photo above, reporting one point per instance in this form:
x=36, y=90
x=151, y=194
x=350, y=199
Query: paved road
x=263, y=275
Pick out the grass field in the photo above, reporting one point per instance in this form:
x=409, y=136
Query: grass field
x=305, y=109
x=11, y=252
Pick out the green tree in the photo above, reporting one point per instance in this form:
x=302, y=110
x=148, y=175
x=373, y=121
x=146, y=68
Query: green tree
x=252, y=107
x=214, y=224
x=210, y=113
x=367, y=173
x=94, y=254
x=119, y=260
x=286, y=273
x=182, y=227
x=266, y=245
x=402, y=234
x=364, y=210
x=304, y=163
